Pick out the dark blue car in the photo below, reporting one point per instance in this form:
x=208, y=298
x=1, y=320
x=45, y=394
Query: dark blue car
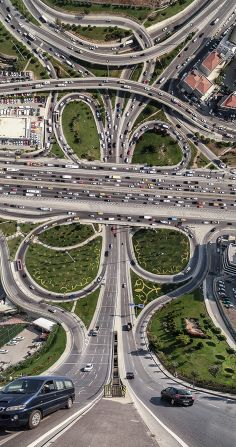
x=25, y=401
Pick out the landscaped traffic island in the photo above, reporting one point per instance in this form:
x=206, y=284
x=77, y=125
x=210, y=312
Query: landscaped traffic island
x=190, y=346
x=80, y=130
x=161, y=251
x=64, y=271
x=85, y=307
x=157, y=149
x=66, y=235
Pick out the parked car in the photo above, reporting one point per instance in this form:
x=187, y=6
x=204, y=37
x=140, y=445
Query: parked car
x=28, y=399
x=3, y=351
x=178, y=396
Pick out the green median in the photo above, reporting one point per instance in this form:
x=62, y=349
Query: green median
x=80, y=130
x=161, y=251
x=157, y=148
x=64, y=271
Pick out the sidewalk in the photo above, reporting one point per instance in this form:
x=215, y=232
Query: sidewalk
x=68, y=247
x=111, y=422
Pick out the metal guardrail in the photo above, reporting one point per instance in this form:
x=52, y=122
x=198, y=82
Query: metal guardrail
x=115, y=388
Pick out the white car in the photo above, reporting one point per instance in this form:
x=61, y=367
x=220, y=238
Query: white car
x=88, y=367
x=18, y=338
x=12, y=343
x=3, y=351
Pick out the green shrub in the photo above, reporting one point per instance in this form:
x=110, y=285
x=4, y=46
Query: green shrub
x=216, y=330
x=221, y=337
x=229, y=370
x=210, y=343
x=230, y=350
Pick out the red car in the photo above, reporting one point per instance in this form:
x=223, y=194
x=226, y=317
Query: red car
x=178, y=396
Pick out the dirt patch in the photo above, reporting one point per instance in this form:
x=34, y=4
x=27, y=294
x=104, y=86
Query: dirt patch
x=192, y=328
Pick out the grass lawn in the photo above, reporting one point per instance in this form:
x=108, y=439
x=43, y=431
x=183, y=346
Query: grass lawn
x=51, y=351
x=146, y=291
x=80, y=130
x=64, y=272
x=10, y=331
x=197, y=160
x=139, y=13
x=8, y=227
x=66, y=305
x=101, y=70
x=98, y=33
x=151, y=111
x=66, y=235
x=10, y=46
x=85, y=307
x=161, y=251
x=56, y=150
x=135, y=75
x=157, y=149
x=27, y=227
x=209, y=364
x=13, y=245
x=165, y=13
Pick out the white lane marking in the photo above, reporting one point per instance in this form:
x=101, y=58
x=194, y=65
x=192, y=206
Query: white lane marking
x=70, y=421
x=176, y=437
x=9, y=438
x=212, y=405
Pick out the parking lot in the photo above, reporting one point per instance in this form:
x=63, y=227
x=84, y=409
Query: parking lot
x=22, y=349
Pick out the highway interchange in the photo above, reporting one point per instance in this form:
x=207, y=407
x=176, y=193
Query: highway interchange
x=115, y=192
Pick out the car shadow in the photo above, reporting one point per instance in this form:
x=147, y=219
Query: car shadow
x=159, y=402
x=139, y=352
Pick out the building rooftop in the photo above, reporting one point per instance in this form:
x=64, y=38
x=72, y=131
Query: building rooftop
x=11, y=127
x=212, y=60
x=230, y=101
x=196, y=81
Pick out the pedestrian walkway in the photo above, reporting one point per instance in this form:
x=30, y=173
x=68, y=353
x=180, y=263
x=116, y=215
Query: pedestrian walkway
x=69, y=247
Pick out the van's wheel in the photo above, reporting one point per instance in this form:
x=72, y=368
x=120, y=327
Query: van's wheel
x=69, y=403
x=34, y=419
x=172, y=401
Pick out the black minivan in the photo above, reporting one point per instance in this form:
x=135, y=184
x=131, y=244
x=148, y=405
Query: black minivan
x=26, y=400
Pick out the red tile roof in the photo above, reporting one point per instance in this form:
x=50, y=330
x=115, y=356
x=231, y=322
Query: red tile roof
x=212, y=60
x=196, y=81
x=230, y=102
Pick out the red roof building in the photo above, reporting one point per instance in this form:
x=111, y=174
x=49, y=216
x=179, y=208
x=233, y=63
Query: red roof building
x=196, y=83
x=211, y=62
x=229, y=102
